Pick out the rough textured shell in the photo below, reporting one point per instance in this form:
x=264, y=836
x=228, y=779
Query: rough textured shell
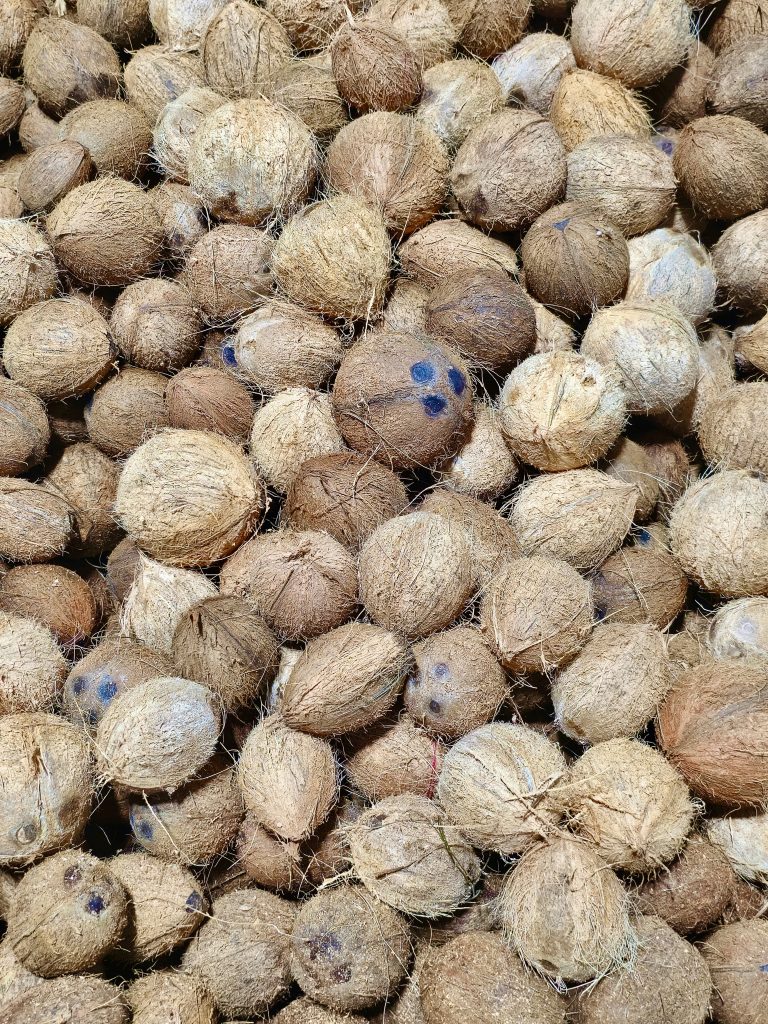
x=32, y=667
x=127, y=409
x=487, y=27
x=36, y=524
x=457, y=96
x=307, y=88
x=227, y=271
x=163, y=994
x=158, y=597
x=205, y=398
x=492, y=540
x=743, y=838
x=428, y=26
x=374, y=67
x=736, y=955
x=51, y=171
x=733, y=433
x=83, y=999
x=58, y=598
x=311, y=24
x=243, y=48
x=24, y=428
x=177, y=126
x=392, y=758
x=28, y=268
x=447, y=247
x=116, y=135
x=587, y=105
x=484, y=467
x=675, y=268
x=531, y=70
x=740, y=629
x=156, y=75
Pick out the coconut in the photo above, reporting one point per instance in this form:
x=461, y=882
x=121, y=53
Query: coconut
x=408, y=856
x=488, y=27
x=560, y=410
x=116, y=135
x=491, y=539
x=167, y=906
x=630, y=463
x=11, y=168
x=32, y=667
x=712, y=726
x=737, y=19
x=752, y=345
x=675, y=268
x=411, y=406
x=693, y=891
x=743, y=838
x=268, y=861
x=202, y=398
x=747, y=903
x=559, y=248
x=288, y=779
x=740, y=629
x=156, y=75
x=12, y=104
x=106, y=232
x=477, y=916
x=83, y=999
x=16, y=23
x=334, y=258
x=566, y=913
x=457, y=96
x=67, y=420
x=11, y=206
x=530, y=71
x=156, y=325
x=374, y=67
x=59, y=599
x=740, y=262
x=536, y=614
x=51, y=172
x=181, y=24
x=36, y=524
x=88, y=480
x=639, y=584
x=681, y=97
x=427, y=25
x=448, y=247
x=310, y=24
x=170, y=995
x=688, y=647
x=483, y=467
x=125, y=23
x=24, y=429
x=47, y=782
x=227, y=271
x=308, y=89
x=552, y=333
x=158, y=597
x=722, y=163
x=719, y=534
x=672, y=466
x=183, y=218
x=509, y=170
x=28, y=268
x=733, y=433
x=304, y=1011
x=66, y=63
x=736, y=956
x=405, y=311
x=126, y=410
x=394, y=757
x=242, y=49
x=587, y=105
x=303, y=583
x=122, y=567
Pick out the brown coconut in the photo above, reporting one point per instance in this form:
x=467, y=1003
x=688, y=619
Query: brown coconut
x=565, y=912
x=32, y=666
x=267, y=860
x=739, y=629
x=310, y=24
x=334, y=258
x=36, y=524
x=36, y=129
x=673, y=267
x=740, y=262
x=407, y=854
x=488, y=27
x=346, y=495
x=553, y=334
x=12, y=104
x=712, y=726
x=122, y=566
x=681, y=96
x=11, y=206
x=242, y=49
x=693, y=891
x=116, y=135
x=722, y=164
x=67, y=420
x=155, y=324
x=484, y=467
x=748, y=902
x=167, y=906
x=427, y=25
x=158, y=597
x=739, y=78
x=170, y=995
x=392, y=758
x=752, y=345
x=308, y=89
x=536, y=614
x=55, y=596
x=736, y=956
x=447, y=247
x=24, y=429
x=305, y=1011
x=28, y=268
x=743, y=838
x=531, y=70
x=124, y=23
x=51, y=172
x=47, y=780
x=82, y=999
x=66, y=63
x=88, y=480
x=183, y=218
x=736, y=19
x=672, y=465
x=288, y=779
x=719, y=534
x=629, y=462
x=181, y=24
x=509, y=170
x=203, y=398
x=127, y=409
x=16, y=23
x=457, y=96
x=733, y=433
x=491, y=538
x=374, y=67
x=587, y=105
x=227, y=271
x=156, y=75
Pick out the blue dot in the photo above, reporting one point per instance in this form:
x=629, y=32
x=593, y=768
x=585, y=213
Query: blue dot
x=457, y=380
x=145, y=830
x=441, y=670
x=764, y=968
x=106, y=690
x=600, y=614
x=79, y=685
x=433, y=405
x=95, y=904
x=561, y=225
x=228, y=355
x=423, y=373
x=193, y=902
x=644, y=537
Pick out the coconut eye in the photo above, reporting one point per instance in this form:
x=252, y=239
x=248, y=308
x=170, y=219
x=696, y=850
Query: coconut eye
x=95, y=904
x=27, y=833
x=193, y=903
x=107, y=690
x=80, y=684
x=73, y=875
x=457, y=380
x=441, y=670
x=228, y=355
x=435, y=707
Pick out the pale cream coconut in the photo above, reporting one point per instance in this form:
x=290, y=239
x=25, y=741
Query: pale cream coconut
x=743, y=838
x=673, y=267
x=28, y=268
x=530, y=71
x=741, y=264
x=242, y=49
x=484, y=467
x=32, y=665
x=176, y=128
x=739, y=629
x=732, y=429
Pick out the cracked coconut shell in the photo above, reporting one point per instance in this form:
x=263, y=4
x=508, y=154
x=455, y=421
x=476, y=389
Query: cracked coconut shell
x=587, y=105
x=51, y=172
x=739, y=629
x=156, y=325
x=161, y=996
x=673, y=267
x=28, y=269
x=81, y=999
x=374, y=67
x=54, y=595
x=736, y=956
x=741, y=264
x=126, y=409
x=227, y=271
x=733, y=433
x=457, y=96
x=242, y=50
x=32, y=666
x=156, y=75
x=204, y=398
x=428, y=25
x=392, y=758
x=36, y=524
x=447, y=247
x=88, y=480
x=116, y=135
x=24, y=429
x=531, y=70
x=483, y=467
x=308, y=89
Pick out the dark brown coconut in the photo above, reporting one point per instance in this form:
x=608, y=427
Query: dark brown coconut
x=88, y=480
x=587, y=105
x=328, y=850
x=169, y=995
x=67, y=419
x=243, y=48
x=681, y=96
x=308, y=89
x=116, y=135
x=82, y=999
x=531, y=70
x=51, y=172
x=28, y=268
x=24, y=429
x=447, y=247
x=227, y=271
x=18, y=19
x=672, y=466
x=124, y=23
x=491, y=539
x=740, y=262
x=713, y=727
x=458, y=95
x=126, y=410
x=489, y=27
x=736, y=956
x=202, y=398
x=392, y=758
x=53, y=595
x=747, y=903
x=155, y=324
x=509, y=170
x=32, y=665
x=36, y=524
x=267, y=860
x=183, y=217
x=736, y=19
x=374, y=67
x=156, y=75
x=410, y=407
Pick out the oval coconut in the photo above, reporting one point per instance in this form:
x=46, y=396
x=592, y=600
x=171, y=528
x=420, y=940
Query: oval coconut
x=19, y=17
x=531, y=70
x=51, y=172
x=392, y=758
x=88, y=480
x=487, y=27
x=55, y=596
x=308, y=89
x=156, y=75
x=447, y=247
x=227, y=271
x=630, y=463
x=116, y=135
x=752, y=346
x=491, y=539
x=242, y=50
x=737, y=19
x=127, y=409
x=24, y=429
x=675, y=268
x=203, y=398
x=36, y=524
x=739, y=629
x=741, y=264
x=457, y=96
x=428, y=25
x=125, y=23
x=681, y=96
x=733, y=433
x=587, y=105
x=183, y=218
x=28, y=268
x=374, y=67
x=32, y=666
x=738, y=80
x=267, y=860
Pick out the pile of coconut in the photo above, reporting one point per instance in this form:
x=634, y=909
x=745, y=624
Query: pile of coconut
x=384, y=511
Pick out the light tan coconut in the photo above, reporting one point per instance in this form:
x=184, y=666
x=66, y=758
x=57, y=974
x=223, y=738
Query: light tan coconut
x=614, y=686
x=176, y=128
x=587, y=105
x=32, y=666
x=737, y=19
x=731, y=428
x=736, y=955
x=65, y=63
x=566, y=913
x=18, y=19
x=288, y=779
x=124, y=23
x=740, y=262
x=374, y=67
x=11, y=205
x=640, y=583
x=227, y=271
x=752, y=345
x=673, y=267
x=719, y=534
x=334, y=258
x=630, y=463
x=155, y=324
x=688, y=647
x=457, y=96
x=310, y=24
x=536, y=614
x=530, y=71
x=552, y=333
x=484, y=467
x=203, y=398
x=127, y=409
x=427, y=25
x=243, y=48
x=47, y=780
x=57, y=598
x=51, y=172
x=170, y=995
x=12, y=104
x=491, y=538
x=488, y=27
x=24, y=429
x=157, y=599
x=36, y=524
x=406, y=309
x=156, y=75
x=28, y=268
x=743, y=838
x=308, y=89
x=739, y=629
x=88, y=480
x=509, y=169
x=116, y=135
x=267, y=860
x=35, y=128
x=183, y=217
x=305, y=1011
x=392, y=758
x=181, y=24
x=407, y=854
x=447, y=247
x=82, y=999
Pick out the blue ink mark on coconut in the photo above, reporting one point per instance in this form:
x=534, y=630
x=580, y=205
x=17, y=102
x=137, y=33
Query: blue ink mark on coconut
x=561, y=225
x=457, y=380
x=423, y=372
x=441, y=670
x=434, y=405
x=643, y=537
x=228, y=355
x=95, y=904
x=599, y=614
x=193, y=903
x=107, y=690
x=144, y=829
x=80, y=684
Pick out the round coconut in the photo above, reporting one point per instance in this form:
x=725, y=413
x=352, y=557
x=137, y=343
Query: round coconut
x=739, y=629
x=65, y=64
x=575, y=259
x=712, y=726
x=536, y=613
x=116, y=135
x=288, y=779
x=156, y=75
x=722, y=164
x=719, y=534
x=483, y=467
x=183, y=218
x=741, y=265
x=349, y=951
x=304, y=1011
x=743, y=838
x=736, y=19
x=155, y=324
x=12, y=104
x=167, y=906
x=732, y=432
x=552, y=333
x=57, y=597
x=125, y=410
x=560, y=410
x=108, y=670
x=51, y=172
x=416, y=573
x=457, y=96
x=67, y=913
x=509, y=170
x=32, y=667
x=491, y=538
x=395, y=163
x=158, y=597
x=374, y=67
x=83, y=999
x=673, y=267
x=394, y=757
x=628, y=180
x=36, y=524
x=748, y=903
x=310, y=24
x=346, y=495
x=268, y=861
x=181, y=24
x=427, y=25
x=24, y=429
x=681, y=97
x=629, y=462
x=498, y=784
x=308, y=89
x=250, y=161
x=407, y=854
x=11, y=168
x=17, y=20
x=403, y=399
x=447, y=247
x=125, y=23
x=692, y=892
x=752, y=345
x=189, y=497
x=47, y=782
x=566, y=913
x=614, y=686
x=736, y=956
x=28, y=268
x=169, y=995
x=531, y=70
x=203, y=398
x=334, y=258
x=587, y=105
x=88, y=480
x=243, y=48
x=106, y=232
x=687, y=647
x=488, y=27
x=303, y=583
x=227, y=271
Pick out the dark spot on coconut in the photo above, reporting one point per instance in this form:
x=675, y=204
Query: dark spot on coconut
x=194, y=903
x=643, y=537
x=27, y=833
x=435, y=707
x=341, y=974
x=764, y=968
x=79, y=684
x=376, y=820
x=72, y=875
x=91, y=716
x=89, y=402
x=457, y=380
x=434, y=405
x=170, y=86
x=561, y=225
x=423, y=372
x=666, y=146
x=228, y=355
x=599, y=614
x=144, y=829
x=95, y=904
x=441, y=670
x=324, y=946
x=90, y=87
x=107, y=690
